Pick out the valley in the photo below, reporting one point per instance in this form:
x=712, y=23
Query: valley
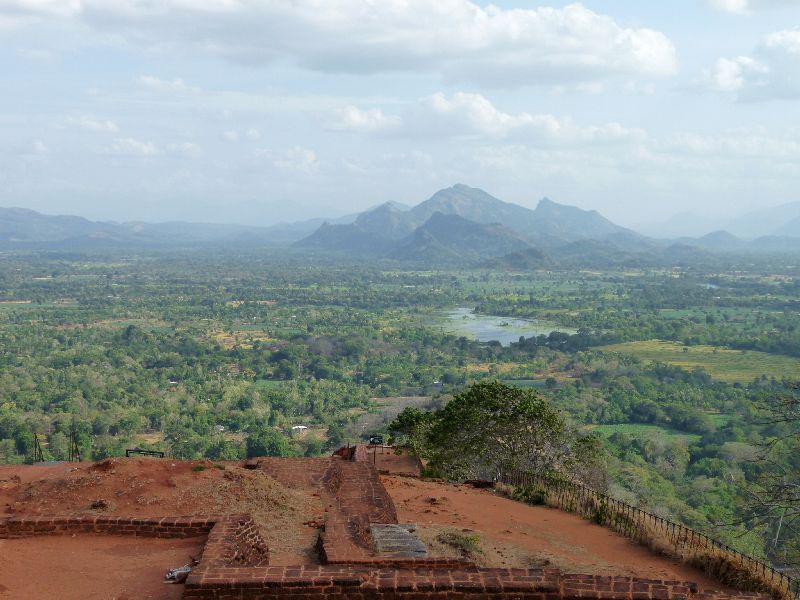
x=670, y=356
x=230, y=353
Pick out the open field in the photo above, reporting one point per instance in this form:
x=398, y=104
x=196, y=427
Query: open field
x=639, y=429
x=538, y=384
x=734, y=366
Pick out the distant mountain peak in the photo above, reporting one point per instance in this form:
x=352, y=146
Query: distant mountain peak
x=720, y=234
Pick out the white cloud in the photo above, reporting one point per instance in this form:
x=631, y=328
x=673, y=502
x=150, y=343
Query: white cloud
x=188, y=149
x=770, y=73
x=745, y=7
x=731, y=6
x=165, y=85
x=352, y=118
x=234, y=135
x=93, y=124
x=732, y=74
x=458, y=38
x=744, y=144
x=297, y=160
x=787, y=41
x=133, y=147
x=473, y=115
x=15, y=13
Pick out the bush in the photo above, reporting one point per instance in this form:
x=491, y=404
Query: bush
x=467, y=544
x=530, y=494
x=268, y=442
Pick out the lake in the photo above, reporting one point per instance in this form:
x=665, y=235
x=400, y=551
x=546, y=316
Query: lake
x=486, y=328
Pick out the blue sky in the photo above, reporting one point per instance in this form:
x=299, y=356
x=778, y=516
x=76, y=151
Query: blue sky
x=258, y=111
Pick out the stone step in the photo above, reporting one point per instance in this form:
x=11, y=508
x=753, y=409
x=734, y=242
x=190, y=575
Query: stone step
x=397, y=540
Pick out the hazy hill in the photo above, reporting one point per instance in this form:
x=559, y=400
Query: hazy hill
x=387, y=220
x=483, y=228
x=346, y=238
x=559, y=222
x=20, y=226
x=23, y=225
x=452, y=238
x=528, y=259
x=775, y=244
x=720, y=240
x=681, y=225
x=780, y=220
x=790, y=229
x=476, y=205
x=550, y=224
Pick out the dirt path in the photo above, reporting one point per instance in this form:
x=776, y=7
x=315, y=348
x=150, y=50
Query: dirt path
x=517, y=535
x=92, y=567
x=389, y=460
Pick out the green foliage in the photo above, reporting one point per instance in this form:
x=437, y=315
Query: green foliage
x=600, y=513
x=268, y=442
x=198, y=352
x=530, y=494
x=491, y=428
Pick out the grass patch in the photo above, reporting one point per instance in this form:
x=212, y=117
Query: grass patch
x=537, y=384
x=732, y=366
x=468, y=544
x=639, y=430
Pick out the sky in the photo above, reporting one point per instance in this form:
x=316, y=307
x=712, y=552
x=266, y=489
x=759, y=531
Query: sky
x=263, y=111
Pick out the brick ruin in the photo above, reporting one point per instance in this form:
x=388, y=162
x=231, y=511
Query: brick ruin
x=364, y=551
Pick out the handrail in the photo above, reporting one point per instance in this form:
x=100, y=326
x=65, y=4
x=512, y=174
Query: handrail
x=630, y=521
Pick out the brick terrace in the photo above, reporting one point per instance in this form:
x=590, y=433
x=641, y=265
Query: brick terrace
x=235, y=561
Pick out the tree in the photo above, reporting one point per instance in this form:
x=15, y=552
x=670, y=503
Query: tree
x=268, y=442
x=491, y=428
x=775, y=496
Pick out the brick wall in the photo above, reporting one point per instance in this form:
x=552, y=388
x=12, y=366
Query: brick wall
x=361, y=583
x=168, y=527
x=235, y=561
x=234, y=542
x=359, y=500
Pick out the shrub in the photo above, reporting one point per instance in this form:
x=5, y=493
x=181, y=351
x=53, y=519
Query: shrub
x=467, y=544
x=530, y=494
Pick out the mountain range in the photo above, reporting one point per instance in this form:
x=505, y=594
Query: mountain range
x=774, y=221
x=459, y=225
x=463, y=224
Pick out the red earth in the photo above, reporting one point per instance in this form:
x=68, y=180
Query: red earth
x=92, y=567
x=288, y=502
x=513, y=534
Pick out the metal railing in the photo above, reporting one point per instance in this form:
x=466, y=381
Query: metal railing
x=644, y=527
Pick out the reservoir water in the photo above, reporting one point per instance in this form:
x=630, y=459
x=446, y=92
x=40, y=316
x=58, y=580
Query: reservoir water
x=486, y=328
